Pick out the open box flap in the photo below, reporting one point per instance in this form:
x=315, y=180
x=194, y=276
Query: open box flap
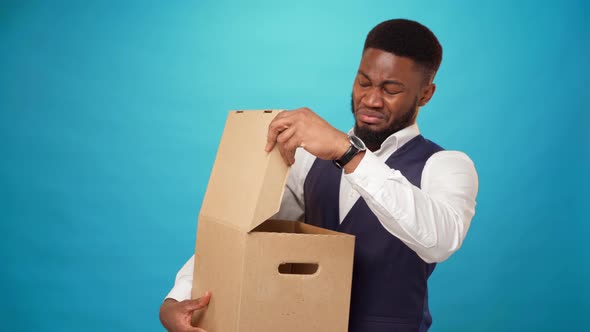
x=246, y=184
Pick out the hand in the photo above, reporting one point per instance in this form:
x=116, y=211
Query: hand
x=303, y=128
x=176, y=316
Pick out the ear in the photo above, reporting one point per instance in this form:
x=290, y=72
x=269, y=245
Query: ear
x=426, y=94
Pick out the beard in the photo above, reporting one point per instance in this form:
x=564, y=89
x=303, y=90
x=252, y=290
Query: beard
x=374, y=138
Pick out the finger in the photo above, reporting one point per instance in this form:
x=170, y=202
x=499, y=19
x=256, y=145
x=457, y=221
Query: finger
x=282, y=139
x=277, y=125
x=192, y=305
x=289, y=148
x=284, y=154
x=289, y=144
x=274, y=130
x=200, y=303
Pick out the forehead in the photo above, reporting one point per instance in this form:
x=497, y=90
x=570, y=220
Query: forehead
x=381, y=65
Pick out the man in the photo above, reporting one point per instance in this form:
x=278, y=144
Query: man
x=408, y=202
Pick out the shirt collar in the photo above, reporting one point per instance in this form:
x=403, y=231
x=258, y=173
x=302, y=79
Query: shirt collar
x=396, y=140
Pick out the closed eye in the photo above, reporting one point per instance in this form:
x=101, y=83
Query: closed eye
x=391, y=92
x=364, y=82
x=392, y=88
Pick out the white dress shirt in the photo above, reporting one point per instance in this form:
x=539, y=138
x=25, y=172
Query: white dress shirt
x=432, y=220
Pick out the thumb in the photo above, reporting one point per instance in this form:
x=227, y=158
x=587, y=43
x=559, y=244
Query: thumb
x=197, y=304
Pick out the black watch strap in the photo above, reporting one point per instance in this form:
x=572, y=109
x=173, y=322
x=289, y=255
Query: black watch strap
x=346, y=157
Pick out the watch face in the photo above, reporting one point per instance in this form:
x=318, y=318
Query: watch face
x=358, y=143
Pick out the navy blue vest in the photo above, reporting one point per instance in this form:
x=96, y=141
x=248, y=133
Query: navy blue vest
x=389, y=290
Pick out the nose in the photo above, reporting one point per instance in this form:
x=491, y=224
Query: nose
x=374, y=98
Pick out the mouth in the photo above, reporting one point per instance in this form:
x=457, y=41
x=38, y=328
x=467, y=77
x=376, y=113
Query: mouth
x=369, y=117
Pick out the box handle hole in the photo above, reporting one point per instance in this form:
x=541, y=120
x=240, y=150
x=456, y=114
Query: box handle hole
x=298, y=268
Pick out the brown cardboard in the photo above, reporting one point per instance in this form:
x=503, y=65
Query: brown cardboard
x=265, y=275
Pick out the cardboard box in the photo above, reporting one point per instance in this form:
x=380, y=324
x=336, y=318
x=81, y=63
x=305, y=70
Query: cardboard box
x=265, y=275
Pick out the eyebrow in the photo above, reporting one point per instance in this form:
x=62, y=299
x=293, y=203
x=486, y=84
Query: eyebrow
x=384, y=82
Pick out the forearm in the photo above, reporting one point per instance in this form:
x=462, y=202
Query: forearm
x=432, y=228
x=432, y=221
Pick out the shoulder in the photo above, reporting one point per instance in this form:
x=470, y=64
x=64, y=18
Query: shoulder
x=446, y=165
x=451, y=157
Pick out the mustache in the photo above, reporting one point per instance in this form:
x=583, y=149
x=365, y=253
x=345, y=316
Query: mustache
x=371, y=112
x=373, y=139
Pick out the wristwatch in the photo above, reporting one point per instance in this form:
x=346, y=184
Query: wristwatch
x=356, y=146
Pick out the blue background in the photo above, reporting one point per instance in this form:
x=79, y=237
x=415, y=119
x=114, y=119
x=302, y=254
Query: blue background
x=111, y=113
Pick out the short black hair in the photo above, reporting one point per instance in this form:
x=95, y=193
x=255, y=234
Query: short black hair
x=410, y=39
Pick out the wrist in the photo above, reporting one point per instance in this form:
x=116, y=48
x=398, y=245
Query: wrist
x=355, y=146
x=351, y=166
x=341, y=146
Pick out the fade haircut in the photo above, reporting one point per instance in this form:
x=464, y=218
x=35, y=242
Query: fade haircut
x=408, y=39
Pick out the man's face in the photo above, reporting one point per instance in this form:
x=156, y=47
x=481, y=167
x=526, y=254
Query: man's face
x=386, y=95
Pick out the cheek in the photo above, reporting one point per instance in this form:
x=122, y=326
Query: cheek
x=399, y=102
x=392, y=105
x=395, y=106
x=356, y=95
